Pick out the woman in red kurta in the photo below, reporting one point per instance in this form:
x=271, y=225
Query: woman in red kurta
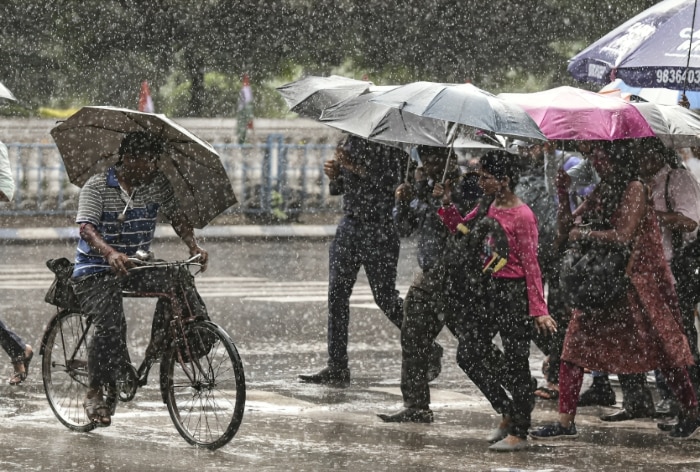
x=643, y=330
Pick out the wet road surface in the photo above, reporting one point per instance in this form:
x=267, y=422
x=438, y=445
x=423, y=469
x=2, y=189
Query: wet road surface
x=270, y=296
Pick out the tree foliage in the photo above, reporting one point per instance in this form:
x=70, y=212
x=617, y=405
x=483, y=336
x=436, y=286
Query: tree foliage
x=73, y=52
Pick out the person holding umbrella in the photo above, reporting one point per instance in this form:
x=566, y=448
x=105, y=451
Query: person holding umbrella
x=117, y=212
x=438, y=295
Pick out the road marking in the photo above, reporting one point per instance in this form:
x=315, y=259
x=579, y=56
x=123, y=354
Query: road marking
x=253, y=289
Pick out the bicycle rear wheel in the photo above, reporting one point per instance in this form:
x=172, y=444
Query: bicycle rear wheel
x=64, y=369
x=204, y=386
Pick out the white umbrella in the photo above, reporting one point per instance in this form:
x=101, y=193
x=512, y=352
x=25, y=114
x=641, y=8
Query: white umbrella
x=674, y=125
x=311, y=95
x=464, y=104
x=364, y=117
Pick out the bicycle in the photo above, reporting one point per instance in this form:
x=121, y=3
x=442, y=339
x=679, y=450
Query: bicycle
x=201, y=374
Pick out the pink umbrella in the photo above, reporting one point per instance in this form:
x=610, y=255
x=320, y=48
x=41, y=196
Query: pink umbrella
x=568, y=113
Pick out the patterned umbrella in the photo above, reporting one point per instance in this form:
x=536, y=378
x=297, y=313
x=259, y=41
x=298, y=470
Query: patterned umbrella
x=656, y=48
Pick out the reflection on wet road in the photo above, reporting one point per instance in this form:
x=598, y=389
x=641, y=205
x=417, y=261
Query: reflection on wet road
x=271, y=298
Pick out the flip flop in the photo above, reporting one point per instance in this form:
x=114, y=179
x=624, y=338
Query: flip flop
x=19, y=377
x=547, y=393
x=98, y=411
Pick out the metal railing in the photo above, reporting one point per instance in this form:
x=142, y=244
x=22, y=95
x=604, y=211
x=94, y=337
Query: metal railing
x=274, y=182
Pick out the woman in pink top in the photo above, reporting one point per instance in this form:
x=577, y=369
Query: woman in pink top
x=513, y=302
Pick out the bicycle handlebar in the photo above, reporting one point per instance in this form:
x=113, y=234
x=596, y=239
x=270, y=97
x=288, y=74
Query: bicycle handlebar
x=144, y=264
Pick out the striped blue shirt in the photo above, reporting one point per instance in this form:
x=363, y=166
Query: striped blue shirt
x=102, y=201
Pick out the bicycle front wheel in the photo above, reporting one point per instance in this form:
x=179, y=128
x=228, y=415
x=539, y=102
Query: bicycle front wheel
x=204, y=385
x=64, y=369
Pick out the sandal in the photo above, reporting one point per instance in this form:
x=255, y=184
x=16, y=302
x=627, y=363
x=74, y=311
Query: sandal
x=97, y=411
x=546, y=393
x=19, y=377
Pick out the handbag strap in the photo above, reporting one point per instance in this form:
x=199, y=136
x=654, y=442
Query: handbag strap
x=676, y=236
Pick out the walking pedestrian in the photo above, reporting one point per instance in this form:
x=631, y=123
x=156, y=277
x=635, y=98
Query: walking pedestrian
x=513, y=306
x=366, y=174
x=244, y=115
x=20, y=352
x=643, y=330
x=439, y=294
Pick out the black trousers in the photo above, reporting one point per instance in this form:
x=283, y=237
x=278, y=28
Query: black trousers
x=428, y=307
x=435, y=299
x=509, y=389
x=374, y=246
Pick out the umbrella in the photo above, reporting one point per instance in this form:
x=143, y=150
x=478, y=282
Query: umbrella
x=653, y=49
x=89, y=141
x=675, y=126
x=662, y=96
x=5, y=93
x=568, y=113
x=364, y=117
x=464, y=104
x=311, y=95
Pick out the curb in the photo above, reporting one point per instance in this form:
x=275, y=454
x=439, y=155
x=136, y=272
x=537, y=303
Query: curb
x=167, y=232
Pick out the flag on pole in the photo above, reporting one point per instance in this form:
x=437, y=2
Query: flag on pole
x=145, y=100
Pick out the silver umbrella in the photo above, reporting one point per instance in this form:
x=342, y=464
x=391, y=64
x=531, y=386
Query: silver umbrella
x=89, y=142
x=311, y=95
x=365, y=117
x=464, y=104
x=674, y=125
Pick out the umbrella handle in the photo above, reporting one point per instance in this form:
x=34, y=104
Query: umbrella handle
x=408, y=167
x=447, y=162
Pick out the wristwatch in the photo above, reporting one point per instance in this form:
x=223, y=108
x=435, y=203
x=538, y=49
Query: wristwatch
x=585, y=231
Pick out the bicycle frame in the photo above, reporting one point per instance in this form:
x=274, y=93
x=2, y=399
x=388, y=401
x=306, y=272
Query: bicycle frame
x=180, y=316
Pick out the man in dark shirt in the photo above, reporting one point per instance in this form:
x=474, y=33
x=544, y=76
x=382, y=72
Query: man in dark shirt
x=435, y=298
x=366, y=174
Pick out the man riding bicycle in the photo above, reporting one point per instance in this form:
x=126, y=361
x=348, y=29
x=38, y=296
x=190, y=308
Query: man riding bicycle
x=117, y=213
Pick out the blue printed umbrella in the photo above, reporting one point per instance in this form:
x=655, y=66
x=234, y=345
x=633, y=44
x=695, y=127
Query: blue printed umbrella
x=657, y=48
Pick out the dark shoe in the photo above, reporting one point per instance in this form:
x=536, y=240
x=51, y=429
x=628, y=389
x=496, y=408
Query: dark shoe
x=434, y=364
x=600, y=393
x=142, y=373
x=667, y=408
x=686, y=429
x=626, y=415
x=329, y=376
x=554, y=431
x=409, y=415
x=667, y=426
x=19, y=377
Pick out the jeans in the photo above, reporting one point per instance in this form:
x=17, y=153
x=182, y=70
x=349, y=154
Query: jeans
x=101, y=298
x=11, y=343
x=505, y=312
x=374, y=245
